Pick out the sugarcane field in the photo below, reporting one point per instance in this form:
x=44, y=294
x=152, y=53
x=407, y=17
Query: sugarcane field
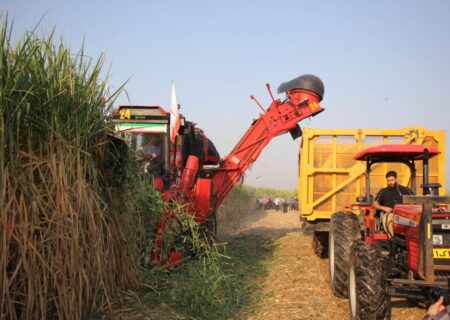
x=169, y=160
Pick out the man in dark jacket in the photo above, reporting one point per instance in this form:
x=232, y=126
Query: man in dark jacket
x=387, y=198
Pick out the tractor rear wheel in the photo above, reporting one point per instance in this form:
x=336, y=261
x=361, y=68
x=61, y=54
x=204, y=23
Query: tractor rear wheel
x=368, y=297
x=344, y=230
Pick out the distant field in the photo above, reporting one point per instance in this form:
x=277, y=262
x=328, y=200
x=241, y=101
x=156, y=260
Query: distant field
x=241, y=202
x=269, y=192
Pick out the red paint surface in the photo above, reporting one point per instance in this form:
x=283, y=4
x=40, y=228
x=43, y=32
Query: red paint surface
x=409, y=151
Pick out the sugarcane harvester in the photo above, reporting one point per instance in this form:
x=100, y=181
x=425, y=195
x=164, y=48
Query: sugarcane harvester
x=190, y=170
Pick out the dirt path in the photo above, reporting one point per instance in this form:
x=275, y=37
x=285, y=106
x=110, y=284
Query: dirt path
x=296, y=285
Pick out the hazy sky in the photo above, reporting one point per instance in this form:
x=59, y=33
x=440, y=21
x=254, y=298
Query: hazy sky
x=385, y=64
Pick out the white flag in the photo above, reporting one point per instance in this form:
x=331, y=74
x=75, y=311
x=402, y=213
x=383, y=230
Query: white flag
x=174, y=114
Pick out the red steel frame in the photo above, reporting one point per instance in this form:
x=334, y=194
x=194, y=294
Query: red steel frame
x=278, y=119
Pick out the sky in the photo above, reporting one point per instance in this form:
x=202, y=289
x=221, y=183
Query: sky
x=385, y=64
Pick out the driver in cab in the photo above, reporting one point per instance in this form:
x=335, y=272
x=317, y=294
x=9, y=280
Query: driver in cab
x=150, y=153
x=387, y=198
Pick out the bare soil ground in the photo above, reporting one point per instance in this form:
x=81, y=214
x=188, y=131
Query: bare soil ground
x=296, y=284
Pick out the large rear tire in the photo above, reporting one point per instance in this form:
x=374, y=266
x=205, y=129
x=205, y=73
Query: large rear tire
x=344, y=230
x=368, y=295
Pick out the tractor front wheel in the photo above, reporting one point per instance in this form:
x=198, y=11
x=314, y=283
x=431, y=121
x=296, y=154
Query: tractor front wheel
x=344, y=230
x=368, y=296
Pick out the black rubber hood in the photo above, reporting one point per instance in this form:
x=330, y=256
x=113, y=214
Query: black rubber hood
x=306, y=82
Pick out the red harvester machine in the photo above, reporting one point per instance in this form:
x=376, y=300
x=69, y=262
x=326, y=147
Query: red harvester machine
x=186, y=166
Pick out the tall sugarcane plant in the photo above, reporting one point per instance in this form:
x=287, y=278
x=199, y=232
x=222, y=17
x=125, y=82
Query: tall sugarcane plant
x=69, y=238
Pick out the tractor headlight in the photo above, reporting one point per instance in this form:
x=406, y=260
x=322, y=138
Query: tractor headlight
x=438, y=240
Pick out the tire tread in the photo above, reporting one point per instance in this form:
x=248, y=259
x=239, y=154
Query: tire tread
x=345, y=229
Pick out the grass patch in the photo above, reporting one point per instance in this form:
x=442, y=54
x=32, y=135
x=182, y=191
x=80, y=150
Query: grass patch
x=224, y=285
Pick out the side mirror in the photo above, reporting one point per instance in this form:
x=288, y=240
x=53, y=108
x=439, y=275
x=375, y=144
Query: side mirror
x=433, y=188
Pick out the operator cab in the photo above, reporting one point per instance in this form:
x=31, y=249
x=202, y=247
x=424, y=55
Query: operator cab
x=145, y=130
x=404, y=154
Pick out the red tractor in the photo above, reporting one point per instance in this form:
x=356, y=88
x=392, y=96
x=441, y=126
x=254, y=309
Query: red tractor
x=187, y=168
x=370, y=267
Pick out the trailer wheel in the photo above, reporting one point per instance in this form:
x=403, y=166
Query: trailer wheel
x=368, y=296
x=344, y=230
x=320, y=244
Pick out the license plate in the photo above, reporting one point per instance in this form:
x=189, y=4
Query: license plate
x=441, y=253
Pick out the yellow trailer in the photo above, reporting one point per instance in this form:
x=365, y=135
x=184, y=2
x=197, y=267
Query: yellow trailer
x=330, y=179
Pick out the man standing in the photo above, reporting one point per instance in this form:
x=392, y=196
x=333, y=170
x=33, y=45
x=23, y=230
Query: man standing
x=285, y=206
x=387, y=198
